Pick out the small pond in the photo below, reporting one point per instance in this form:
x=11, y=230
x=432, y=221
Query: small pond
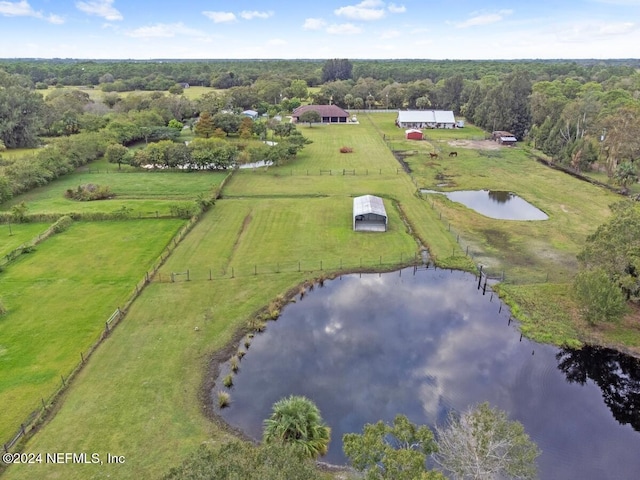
x=495, y=204
x=424, y=342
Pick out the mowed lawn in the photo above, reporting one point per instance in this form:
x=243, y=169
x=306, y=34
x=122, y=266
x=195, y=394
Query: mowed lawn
x=279, y=235
x=16, y=234
x=58, y=299
x=143, y=192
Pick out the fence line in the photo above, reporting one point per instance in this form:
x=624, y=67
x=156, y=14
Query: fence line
x=44, y=408
x=322, y=266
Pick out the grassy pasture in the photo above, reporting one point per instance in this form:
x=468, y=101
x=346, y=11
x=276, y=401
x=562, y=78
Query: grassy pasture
x=316, y=232
x=58, y=299
x=20, y=233
x=144, y=192
x=523, y=249
x=140, y=395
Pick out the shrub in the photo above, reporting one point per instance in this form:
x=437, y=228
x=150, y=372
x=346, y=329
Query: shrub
x=224, y=399
x=235, y=364
x=62, y=224
x=89, y=192
x=346, y=150
x=228, y=381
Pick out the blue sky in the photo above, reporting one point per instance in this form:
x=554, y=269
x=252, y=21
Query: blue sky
x=462, y=29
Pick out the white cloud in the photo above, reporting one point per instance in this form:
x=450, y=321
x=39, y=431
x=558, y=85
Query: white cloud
x=393, y=8
x=56, y=19
x=366, y=10
x=314, y=24
x=23, y=9
x=484, y=19
x=276, y=42
x=100, y=8
x=220, y=17
x=17, y=9
x=250, y=15
x=343, y=29
x=588, y=32
x=166, y=30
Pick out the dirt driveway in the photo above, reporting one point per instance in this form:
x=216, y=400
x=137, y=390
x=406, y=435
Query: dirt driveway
x=476, y=144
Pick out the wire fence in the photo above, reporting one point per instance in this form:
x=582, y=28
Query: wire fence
x=40, y=412
x=307, y=266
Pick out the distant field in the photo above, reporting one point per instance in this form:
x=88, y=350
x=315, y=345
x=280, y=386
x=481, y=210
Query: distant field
x=59, y=297
x=96, y=94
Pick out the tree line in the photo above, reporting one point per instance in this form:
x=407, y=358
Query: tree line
x=479, y=443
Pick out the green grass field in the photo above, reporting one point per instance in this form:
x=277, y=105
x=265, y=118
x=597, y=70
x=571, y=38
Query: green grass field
x=16, y=234
x=141, y=394
x=59, y=297
x=144, y=192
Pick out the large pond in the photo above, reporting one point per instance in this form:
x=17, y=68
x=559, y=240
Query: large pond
x=422, y=343
x=495, y=204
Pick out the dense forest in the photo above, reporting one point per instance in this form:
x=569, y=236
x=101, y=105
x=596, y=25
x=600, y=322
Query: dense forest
x=580, y=113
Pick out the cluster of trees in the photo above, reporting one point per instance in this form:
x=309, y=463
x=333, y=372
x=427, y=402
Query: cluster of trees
x=58, y=158
x=204, y=153
x=480, y=443
x=228, y=73
x=610, y=266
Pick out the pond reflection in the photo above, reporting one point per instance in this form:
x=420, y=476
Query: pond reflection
x=365, y=348
x=497, y=204
x=617, y=375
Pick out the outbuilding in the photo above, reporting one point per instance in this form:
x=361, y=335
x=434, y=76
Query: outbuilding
x=504, y=138
x=426, y=119
x=369, y=214
x=328, y=113
x=413, y=134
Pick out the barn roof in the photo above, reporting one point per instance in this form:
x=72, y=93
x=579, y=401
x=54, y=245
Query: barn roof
x=323, y=110
x=368, y=204
x=412, y=130
x=426, y=116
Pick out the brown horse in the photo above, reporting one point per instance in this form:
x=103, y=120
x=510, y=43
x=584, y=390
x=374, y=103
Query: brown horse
x=453, y=154
x=433, y=155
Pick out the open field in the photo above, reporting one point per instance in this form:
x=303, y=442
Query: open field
x=143, y=192
x=59, y=297
x=141, y=394
x=16, y=234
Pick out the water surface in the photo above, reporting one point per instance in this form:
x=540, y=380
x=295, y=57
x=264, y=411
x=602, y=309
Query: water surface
x=495, y=204
x=365, y=348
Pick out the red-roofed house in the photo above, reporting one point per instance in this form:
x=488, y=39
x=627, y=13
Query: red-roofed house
x=329, y=113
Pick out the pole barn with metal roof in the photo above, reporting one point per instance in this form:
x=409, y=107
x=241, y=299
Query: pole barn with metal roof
x=369, y=214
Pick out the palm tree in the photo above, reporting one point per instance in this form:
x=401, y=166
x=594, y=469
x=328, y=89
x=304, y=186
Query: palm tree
x=296, y=420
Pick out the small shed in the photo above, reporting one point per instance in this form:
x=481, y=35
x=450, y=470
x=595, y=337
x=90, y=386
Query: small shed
x=413, y=134
x=504, y=138
x=369, y=214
